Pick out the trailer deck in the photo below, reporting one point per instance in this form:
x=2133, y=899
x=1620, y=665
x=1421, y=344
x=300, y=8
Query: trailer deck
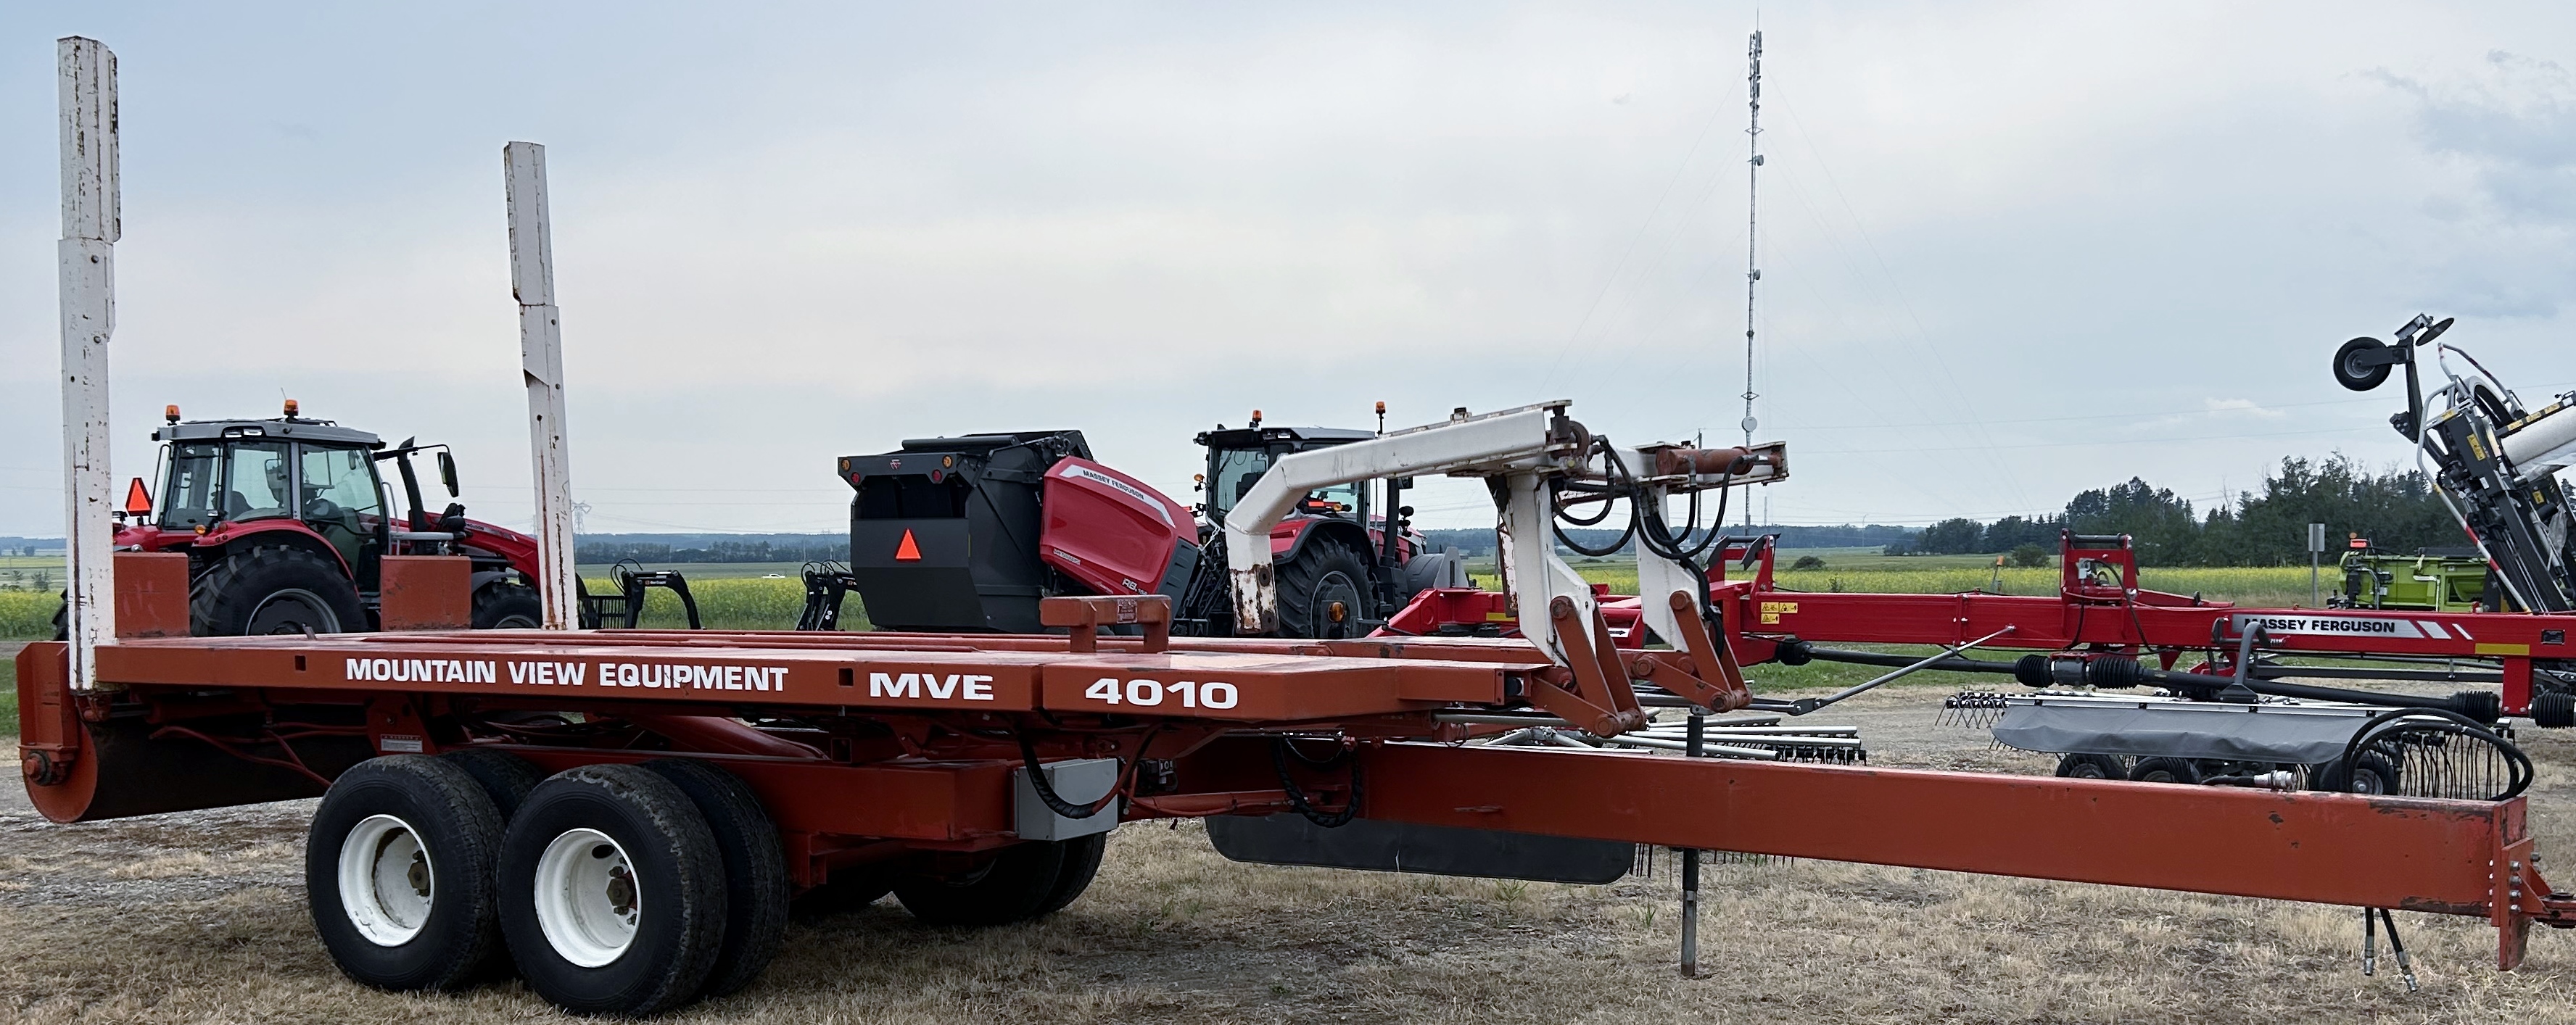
x=942, y=776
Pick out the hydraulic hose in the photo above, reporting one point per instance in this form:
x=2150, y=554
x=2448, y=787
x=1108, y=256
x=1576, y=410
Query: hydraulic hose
x=1281, y=750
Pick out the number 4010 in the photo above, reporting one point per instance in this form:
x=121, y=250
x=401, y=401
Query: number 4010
x=1212, y=694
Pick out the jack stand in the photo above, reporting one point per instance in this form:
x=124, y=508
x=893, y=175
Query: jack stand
x=1690, y=866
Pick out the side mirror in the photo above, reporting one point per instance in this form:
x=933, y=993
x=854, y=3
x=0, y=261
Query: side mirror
x=447, y=471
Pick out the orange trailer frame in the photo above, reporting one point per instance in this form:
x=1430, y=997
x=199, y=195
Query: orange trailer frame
x=920, y=735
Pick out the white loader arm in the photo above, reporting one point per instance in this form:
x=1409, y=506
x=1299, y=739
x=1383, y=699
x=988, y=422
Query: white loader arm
x=1490, y=440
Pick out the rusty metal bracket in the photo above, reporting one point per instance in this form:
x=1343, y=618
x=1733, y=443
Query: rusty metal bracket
x=1084, y=616
x=50, y=734
x=1688, y=673
x=1599, y=700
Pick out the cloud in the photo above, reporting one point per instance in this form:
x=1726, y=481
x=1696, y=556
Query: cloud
x=2222, y=407
x=2003, y=244
x=2507, y=244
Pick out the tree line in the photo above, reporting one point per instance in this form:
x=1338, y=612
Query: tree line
x=1479, y=541
x=821, y=547
x=2396, y=510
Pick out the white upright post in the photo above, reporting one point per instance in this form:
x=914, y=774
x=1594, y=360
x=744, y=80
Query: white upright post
x=532, y=279
x=88, y=262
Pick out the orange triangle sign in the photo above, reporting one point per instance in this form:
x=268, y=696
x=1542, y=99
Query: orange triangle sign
x=907, y=550
x=138, y=499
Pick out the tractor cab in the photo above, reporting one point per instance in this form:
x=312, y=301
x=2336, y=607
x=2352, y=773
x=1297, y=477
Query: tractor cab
x=292, y=517
x=1347, y=557
x=1237, y=458
x=234, y=473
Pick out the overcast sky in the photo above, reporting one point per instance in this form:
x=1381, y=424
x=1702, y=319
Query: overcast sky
x=2010, y=250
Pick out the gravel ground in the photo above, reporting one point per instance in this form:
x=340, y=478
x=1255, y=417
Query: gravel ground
x=200, y=916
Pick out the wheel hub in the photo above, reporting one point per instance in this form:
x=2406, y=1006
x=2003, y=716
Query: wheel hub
x=387, y=887
x=588, y=900
x=293, y=611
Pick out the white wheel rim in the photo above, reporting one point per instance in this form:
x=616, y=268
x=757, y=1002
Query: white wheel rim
x=387, y=885
x=588, y=899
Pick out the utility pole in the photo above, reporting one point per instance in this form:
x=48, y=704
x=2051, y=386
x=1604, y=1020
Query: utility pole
x=1752, y=214
x=87, y=260
x=532, y=279
x=2316, y=558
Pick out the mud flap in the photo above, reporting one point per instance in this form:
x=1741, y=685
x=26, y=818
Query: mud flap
x=1427, y=850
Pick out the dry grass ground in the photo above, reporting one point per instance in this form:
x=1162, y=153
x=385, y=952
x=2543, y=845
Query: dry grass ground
x=200, y=917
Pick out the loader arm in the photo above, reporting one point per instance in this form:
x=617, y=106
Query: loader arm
x=1490, y=440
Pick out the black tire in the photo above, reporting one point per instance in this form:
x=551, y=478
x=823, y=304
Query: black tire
x=1081, y=863
x=63, y=619
x=274, y=590
x=2372, y=773
x=1323, y=592
x=660, y=859
x=505, y=778
x=2348, y=370
x=1012, y=887
x=2165, y=770
x=2081, y=766
x=441, y=815
x=755, y=870
x=506, y=606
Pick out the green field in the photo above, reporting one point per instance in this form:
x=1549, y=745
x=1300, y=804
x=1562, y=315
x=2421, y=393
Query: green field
x=741, y=601
x=28, y=615
x=697, y=571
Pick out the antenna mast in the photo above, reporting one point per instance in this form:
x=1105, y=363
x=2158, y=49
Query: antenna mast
x=1753, y=208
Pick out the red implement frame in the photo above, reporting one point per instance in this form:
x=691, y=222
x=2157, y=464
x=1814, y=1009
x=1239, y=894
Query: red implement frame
x=2090, y=614
x=871, y=746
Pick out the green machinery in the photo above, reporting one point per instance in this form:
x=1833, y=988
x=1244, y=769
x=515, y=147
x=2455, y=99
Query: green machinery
x=2434, y=579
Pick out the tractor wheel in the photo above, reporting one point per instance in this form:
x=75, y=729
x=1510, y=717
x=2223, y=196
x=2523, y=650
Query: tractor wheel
x=2092, y=767
x=274, y=591
x=506, y=606
x=63, y=619
x=2165, y=770
x=1323, y=593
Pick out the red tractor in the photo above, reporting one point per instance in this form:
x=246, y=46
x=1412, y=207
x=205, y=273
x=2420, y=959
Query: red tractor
x=286, y=522
x=1341, y=572
x=969, y=533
